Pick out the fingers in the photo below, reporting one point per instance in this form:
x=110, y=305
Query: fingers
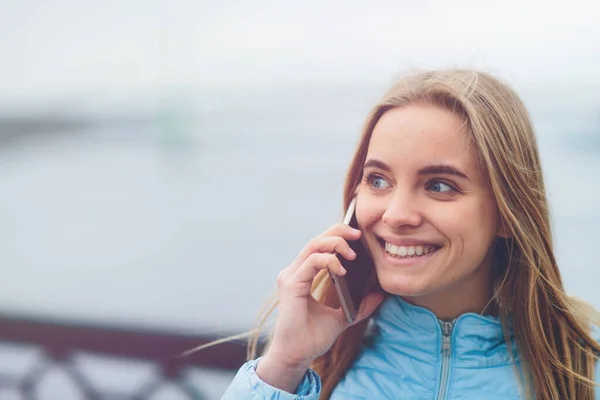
x=343, y=230
x=306, y=273
x=320, y=253
x=315, y=263
x=332, y=240
x=334, y=244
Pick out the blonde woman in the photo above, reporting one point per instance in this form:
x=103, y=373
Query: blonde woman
x=468, y=301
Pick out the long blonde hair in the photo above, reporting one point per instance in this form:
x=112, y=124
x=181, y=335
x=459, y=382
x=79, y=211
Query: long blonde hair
x=551, y=329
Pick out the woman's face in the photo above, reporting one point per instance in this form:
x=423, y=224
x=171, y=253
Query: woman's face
x=427, y=212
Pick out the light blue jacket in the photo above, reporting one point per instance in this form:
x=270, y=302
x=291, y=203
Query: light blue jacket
x=411, y=354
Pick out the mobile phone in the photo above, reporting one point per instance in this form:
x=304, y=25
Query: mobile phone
x=351, y=287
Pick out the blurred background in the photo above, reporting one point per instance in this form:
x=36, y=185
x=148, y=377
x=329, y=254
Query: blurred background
x=161, y=161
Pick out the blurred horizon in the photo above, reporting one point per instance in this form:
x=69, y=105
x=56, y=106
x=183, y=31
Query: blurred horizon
x=130, y=222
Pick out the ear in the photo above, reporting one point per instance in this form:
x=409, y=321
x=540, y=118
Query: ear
x=503, y=230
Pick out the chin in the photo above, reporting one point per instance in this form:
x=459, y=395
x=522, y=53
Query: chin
x=404, y=286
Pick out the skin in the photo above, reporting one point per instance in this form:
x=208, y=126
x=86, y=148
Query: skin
x=405, y=200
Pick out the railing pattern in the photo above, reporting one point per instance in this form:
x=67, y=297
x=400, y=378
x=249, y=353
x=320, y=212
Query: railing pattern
x=61, y=342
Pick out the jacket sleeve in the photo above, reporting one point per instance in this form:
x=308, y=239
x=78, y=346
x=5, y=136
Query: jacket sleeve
x=246, y=385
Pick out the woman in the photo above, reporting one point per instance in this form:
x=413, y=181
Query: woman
x=470, y=304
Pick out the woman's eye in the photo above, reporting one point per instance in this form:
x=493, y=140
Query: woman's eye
x=440, y=187
x=377, y=182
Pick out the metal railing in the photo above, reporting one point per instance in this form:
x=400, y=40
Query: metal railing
x=61, y=342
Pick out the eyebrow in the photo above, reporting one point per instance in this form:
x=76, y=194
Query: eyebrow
x=427, y=170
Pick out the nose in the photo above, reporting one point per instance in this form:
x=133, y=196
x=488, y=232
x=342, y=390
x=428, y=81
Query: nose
x=402, y=211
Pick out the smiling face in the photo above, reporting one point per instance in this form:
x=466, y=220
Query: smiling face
x=427, y=211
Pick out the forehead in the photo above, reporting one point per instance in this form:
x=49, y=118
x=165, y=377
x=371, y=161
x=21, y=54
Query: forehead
x=420, y=134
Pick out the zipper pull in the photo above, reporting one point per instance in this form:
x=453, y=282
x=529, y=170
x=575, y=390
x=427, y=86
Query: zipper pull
x=446, y=333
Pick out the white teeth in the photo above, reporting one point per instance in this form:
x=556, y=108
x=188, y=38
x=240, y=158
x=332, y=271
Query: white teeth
x=408, y=251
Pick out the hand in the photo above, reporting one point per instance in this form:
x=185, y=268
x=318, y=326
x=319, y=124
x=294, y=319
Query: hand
x=306, y=329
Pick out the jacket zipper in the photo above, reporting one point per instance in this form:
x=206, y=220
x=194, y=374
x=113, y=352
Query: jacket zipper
x=446, y=354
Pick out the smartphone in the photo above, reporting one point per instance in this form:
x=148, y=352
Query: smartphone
x=351, y=287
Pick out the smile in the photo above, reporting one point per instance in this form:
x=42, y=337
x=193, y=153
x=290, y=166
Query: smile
x=408, y=251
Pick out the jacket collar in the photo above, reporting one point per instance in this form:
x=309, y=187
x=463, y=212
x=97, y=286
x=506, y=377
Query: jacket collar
x=475, y=340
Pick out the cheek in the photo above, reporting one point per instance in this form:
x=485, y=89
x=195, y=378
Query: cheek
x=367, y=212
x=469, y=226
x=489, y=218
x=366, y=218
x=451, y=220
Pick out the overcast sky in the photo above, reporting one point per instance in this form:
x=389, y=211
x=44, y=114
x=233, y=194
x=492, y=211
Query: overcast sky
x=75, y=45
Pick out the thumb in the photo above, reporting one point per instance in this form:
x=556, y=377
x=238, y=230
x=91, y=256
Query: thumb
x=368, y=305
